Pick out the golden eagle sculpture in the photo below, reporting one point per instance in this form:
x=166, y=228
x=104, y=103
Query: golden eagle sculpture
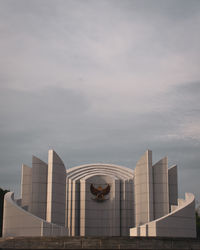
x=99, y=192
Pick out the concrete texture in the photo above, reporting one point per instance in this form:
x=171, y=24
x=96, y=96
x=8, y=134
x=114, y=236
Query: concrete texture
x=56, y=189
x=26, y=187
x=134, y=243
x=173, y=186
x=100, y=218
x=143, y=186
x=160, y=188
x=180, y=222
x=39, y=187
x=17, y=222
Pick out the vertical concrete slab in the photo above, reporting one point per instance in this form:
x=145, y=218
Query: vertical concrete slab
x=173, y=186
x=39, y=187
x=116, y=207
x=56, y=189
x=69, y=206
x=143, y=189
x=126, y=206
x=130, y=206
x=150, y=186
x=26, y=187
x=122, y=207
x=135, y=231
x=82, y=206
x=66, y=204
x=73, y=207
x=75, y=222
x=160, y=186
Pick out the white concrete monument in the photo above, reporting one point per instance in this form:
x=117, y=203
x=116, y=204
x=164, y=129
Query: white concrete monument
x=99, y=200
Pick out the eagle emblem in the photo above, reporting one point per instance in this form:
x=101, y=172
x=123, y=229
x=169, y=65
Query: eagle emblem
x=99, y=192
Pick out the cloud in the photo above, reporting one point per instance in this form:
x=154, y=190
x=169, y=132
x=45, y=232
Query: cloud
x=183, y=105
x=99, y=81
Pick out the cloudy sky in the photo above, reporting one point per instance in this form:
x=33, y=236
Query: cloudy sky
x=100, y=81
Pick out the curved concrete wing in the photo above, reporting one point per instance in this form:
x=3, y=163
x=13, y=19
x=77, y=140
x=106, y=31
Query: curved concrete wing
x=179, y=223
x=19, y=222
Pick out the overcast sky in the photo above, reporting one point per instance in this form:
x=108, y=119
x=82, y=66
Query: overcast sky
x=100, y=81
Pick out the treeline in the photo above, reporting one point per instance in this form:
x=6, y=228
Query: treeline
x=2, y=193
x=198, y=225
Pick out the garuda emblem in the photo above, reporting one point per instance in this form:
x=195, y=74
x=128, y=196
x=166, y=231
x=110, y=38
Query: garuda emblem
x=99, y=192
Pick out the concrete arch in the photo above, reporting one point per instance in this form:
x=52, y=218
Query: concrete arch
x=88, y=171
x=81, y=168
x=80, y=174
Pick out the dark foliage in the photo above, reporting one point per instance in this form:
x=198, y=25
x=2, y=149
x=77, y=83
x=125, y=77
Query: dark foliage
x=2, y=193
x=198, y=225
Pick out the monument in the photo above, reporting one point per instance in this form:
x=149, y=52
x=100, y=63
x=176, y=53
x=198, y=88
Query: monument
x=99, y=200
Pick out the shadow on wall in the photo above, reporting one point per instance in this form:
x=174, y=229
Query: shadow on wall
x=2, y=193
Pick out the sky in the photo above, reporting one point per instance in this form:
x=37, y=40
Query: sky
x=100, y=81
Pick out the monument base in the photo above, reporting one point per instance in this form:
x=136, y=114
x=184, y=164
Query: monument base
x=135, y=243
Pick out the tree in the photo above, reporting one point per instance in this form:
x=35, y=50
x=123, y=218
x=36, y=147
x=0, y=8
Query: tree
x=198, y=225
x=198, y=219
x=2, y=193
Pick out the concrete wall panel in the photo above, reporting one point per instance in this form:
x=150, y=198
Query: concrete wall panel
x=173, y=186
x=26, y=187
x=143, y=189
x=56, y=189
x=161, y=189
x=39, y=187
x=100, y=217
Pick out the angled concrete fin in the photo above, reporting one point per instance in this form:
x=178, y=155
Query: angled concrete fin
x=26, y=186
x=143, y=183
x=173, y=186
x=56, y=189
x=160, y=188
x=39, y=187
